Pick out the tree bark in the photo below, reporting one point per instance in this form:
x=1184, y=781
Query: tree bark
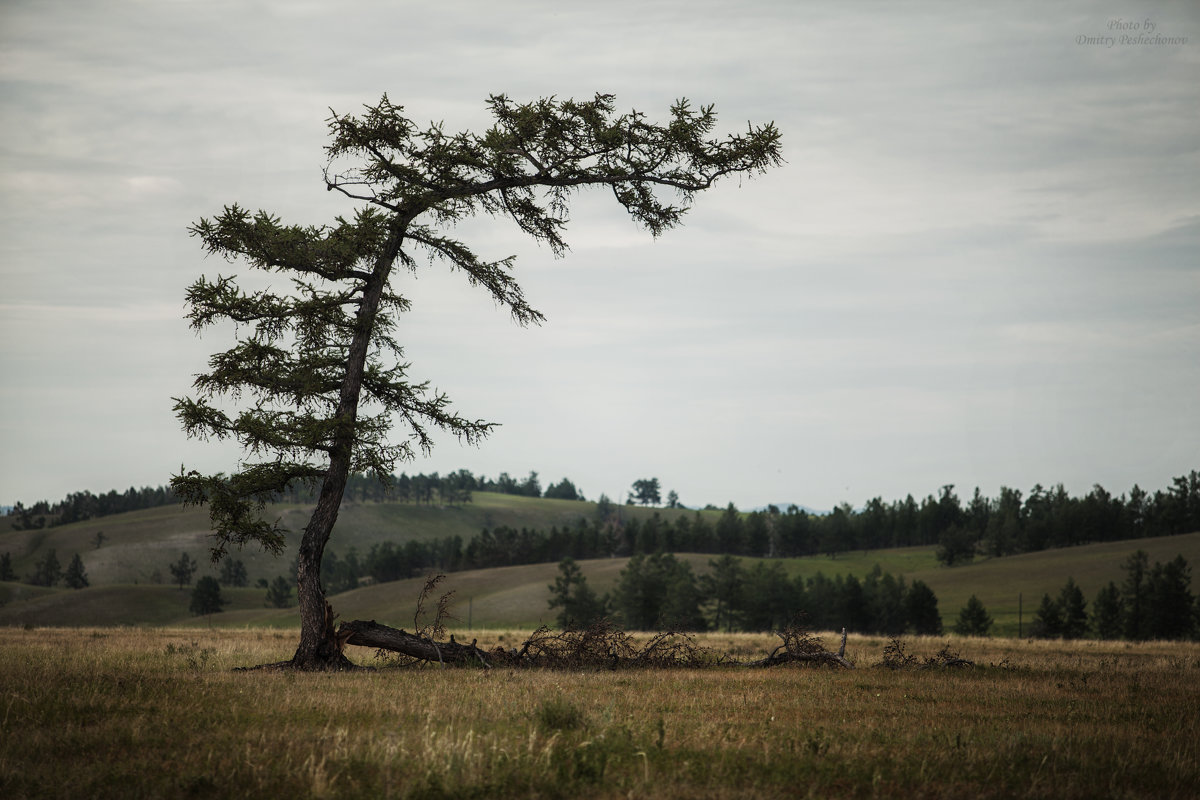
x=320, y=648
x=369, y=633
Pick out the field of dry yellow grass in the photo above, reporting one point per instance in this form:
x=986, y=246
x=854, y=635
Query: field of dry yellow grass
x=116, y=712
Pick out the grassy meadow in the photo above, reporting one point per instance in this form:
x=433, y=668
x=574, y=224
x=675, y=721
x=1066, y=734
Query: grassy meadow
x=160, y=712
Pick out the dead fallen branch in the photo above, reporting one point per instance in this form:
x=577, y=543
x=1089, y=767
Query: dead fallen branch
x=896, y=656
x=601, y=646
x=604, y=646
x=801, y=647
x=369, y=633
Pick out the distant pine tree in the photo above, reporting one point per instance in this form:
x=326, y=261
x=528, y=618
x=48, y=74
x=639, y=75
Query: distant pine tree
x=183, y=570
x=921, y=608
x=279, y=593
x=1171, y=601
x=206, y=597
x=76, y=576
x=1074, y=611
x=974, y=619
x=48, y=571
x=1107, y=612
x=1048, y=622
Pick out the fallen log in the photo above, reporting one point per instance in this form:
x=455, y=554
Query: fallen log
x=369, y=633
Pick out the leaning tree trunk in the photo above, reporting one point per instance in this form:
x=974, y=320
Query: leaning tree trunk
x=320, y=647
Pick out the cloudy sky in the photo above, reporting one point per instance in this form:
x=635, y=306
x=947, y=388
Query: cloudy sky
x=979, y=266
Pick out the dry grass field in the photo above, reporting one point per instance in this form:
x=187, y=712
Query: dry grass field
x=121, y=712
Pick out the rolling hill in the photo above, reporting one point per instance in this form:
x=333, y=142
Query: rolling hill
x=138, y=544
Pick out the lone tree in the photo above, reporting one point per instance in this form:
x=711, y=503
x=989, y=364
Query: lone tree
x=183, y=570
x=580, y=607
x=206, y=597
x=76, y=576
x=646, y=491
x=973, y=620
x=318, y=376
x=279, y=593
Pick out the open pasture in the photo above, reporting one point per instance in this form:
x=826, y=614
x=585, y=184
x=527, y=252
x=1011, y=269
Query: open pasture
x=120, y=712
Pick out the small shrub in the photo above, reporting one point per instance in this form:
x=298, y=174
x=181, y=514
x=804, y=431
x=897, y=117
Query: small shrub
x=558, y=714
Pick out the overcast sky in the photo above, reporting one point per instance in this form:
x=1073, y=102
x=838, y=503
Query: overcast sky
x=979, y=266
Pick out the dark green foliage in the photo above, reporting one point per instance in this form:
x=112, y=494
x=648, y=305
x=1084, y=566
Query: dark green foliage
x=578, y=605
x=1172, y=606
x=340, y=574
x=956, y=546
x=531, y=486
x=658, y=592
x=76, y=575
x=6, y=568
x=279, y=593
x=80, y=506
x=47, y=571
x=233, y=573
x=1107, y=612
x=724, y=586
x=646, y=492
x=1135, y=596
x=921, y=606
x=563, y=490
x=1048, y=621
x=680, y=610
x=1005, y=525
x=767, y=600
x=183, y=570
x=730, y=532
x=974, y=619
x=884, y=597
x=1065, y=616
x=1154, y=603
x=206, y=597
x=997, y=525
x=763, y=598
x=1074, y=611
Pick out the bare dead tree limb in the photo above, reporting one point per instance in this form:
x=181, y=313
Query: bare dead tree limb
x=369, y=633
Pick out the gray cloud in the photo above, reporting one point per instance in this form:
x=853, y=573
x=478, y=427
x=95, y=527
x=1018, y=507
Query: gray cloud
x=978, y=266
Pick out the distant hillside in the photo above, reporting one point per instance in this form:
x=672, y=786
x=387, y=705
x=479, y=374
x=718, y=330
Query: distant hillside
x=135, y=545
x=516, y=597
